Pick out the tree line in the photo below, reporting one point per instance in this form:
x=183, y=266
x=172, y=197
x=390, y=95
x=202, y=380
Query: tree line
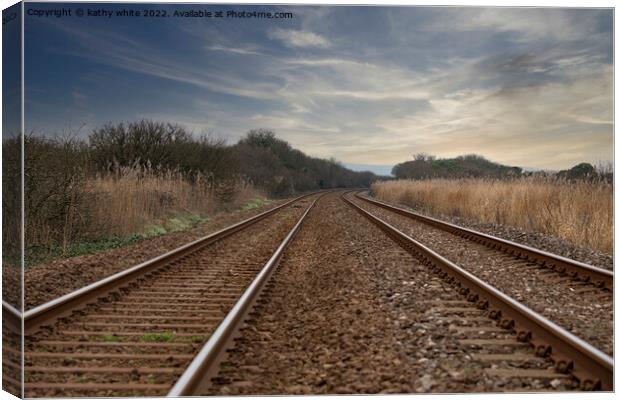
x=268, y=162
x=58, y=171
x=424, y=166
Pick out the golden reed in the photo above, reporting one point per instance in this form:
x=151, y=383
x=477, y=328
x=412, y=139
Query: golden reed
x=580, y=212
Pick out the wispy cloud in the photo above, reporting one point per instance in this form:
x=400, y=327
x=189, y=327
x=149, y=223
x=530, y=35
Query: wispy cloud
x=131, y=55
x=295, y=38
x=527, y=24
x=235, y=50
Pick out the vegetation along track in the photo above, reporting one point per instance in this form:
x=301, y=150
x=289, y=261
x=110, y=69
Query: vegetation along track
x=135, y=337
x=352, y=311
x=570, y=353
x=576, y=296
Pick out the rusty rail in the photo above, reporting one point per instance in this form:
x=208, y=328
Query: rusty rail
x=599, y=276
x=63, y=305
x=205, y=365
x=571, y=354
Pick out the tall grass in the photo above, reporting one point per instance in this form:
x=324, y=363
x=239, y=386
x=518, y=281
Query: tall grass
x=132, y=198
x=130, y=201
x=578, y=211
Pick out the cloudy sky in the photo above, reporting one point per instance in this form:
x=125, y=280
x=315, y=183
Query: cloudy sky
x=369, y=86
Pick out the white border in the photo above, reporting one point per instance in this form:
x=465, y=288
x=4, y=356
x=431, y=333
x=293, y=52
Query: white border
x=481, y=3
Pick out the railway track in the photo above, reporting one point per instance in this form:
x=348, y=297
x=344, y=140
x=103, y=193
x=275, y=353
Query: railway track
x=517, y=323
x=442, y=319
x=134, y=333
x=576, y=296
x=163, y=327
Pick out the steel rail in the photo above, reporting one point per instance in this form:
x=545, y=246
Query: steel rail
x=12, y=316
x=599, y=276
x=63, y=305
x=571, y=354
x=204, y=366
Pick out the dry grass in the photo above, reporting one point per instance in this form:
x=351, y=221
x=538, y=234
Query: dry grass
x=580, y=212
x=116, y=209
x=134, y=198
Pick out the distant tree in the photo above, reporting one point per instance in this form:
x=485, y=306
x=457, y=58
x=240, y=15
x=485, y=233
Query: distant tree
x=605, y=171
x=579, y=171
x=426, y=166
x=423, y=157
x=273, y=164
x=516, y=171
x=260, y=138
x=143, y=142
x=207, y=155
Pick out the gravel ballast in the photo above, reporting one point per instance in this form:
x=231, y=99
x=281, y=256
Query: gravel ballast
x=349, y=311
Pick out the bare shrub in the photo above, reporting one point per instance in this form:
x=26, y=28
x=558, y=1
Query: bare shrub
x=578, y=211
x=53, y=179
x=11, y=198
x=142, y=141
x=161, y=145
